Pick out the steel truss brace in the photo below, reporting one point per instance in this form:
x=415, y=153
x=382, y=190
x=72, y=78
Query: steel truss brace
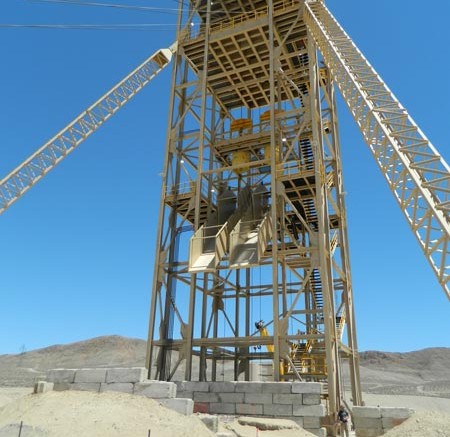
x=20, y=180
x=417, y=175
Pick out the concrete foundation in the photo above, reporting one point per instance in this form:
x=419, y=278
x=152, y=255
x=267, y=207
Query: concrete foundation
x=300, y=402
x=297, y=401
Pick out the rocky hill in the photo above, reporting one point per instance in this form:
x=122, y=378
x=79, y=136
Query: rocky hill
x=110, y=351
x=424, y=372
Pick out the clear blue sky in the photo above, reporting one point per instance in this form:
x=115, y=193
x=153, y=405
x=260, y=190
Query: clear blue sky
x=77, y=251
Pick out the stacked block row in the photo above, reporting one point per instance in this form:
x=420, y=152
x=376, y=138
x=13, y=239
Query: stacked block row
x=299, y=401
x=375, y=421
x=124, y=380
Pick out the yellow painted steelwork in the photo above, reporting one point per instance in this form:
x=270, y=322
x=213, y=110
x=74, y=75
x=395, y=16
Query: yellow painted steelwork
x=241, y=126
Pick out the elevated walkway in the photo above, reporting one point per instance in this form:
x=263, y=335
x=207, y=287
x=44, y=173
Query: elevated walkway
x=248, y=242
x=181, y=198
x=244, y=235
x=207, y=247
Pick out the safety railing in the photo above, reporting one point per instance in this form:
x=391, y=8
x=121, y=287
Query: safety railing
x=237, y=20
x=207, y=247
x=290, y=169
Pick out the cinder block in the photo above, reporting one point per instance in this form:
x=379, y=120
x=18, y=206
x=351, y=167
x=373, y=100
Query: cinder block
x=369, y=432
x=210, y=421
x=309, y=410
x=156, y=389
x=298, y=420
x=201, y=407
x=389, y=422
x=131, y=374
x=86, y=386
x=374, y=412
x=258, y=398
x=43, y=387
x=222, y=387
x=294, y=399
x=231, y=398
x=248, y=387
x=319, y=432
x=311, y=422
x=185, y=394
x=276, y=387
x=219, y=408
x=206, y=397
x=61, y=375
x=182, y=406
x=90, y=375
x=193, y=386
x=367, y=422
x=61, y=386
x=307, y=387
x=122, y=387
x=249, y=409
x=396, y=413
x=277, y=410
x=311, y=399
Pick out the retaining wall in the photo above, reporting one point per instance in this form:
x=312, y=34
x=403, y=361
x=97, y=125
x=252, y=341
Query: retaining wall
x=375, y=421
x=124, y=380
x=298, y=401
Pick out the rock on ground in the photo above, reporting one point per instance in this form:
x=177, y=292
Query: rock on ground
x=268, y=424
x=284, y=428
x=75, y=414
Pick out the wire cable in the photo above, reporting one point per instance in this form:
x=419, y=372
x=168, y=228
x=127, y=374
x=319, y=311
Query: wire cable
x=110, y=5
x=122, y=27
x=132, y=7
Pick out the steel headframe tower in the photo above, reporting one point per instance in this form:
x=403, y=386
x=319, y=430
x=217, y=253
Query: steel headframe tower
x=252, y=258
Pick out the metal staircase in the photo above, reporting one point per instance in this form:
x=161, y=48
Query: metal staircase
x=417, y=175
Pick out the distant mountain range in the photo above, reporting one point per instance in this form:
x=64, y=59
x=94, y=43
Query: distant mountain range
x=424, y=372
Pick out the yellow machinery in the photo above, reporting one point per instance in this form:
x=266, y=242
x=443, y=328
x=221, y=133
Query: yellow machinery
x=241, y=126
x=265, y=118
x=301, y=359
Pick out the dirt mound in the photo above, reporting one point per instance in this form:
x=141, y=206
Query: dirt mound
x=423, y=424
x=74, y=414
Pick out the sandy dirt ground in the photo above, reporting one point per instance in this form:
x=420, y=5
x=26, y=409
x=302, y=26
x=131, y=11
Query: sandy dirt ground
x=9, y=394
x=75, y=414
x=423, y=424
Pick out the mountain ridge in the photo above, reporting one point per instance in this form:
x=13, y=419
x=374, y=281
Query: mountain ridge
x=422, y=372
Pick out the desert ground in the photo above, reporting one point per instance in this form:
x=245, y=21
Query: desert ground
x=419, y=380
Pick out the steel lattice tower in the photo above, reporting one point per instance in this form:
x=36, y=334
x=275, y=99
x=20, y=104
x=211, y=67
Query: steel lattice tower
x=252, y=257
x=252, y=225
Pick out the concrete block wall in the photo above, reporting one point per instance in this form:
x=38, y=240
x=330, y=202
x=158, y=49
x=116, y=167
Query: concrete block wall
x=375, y=421
x=298, y=401
x=124, y=380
